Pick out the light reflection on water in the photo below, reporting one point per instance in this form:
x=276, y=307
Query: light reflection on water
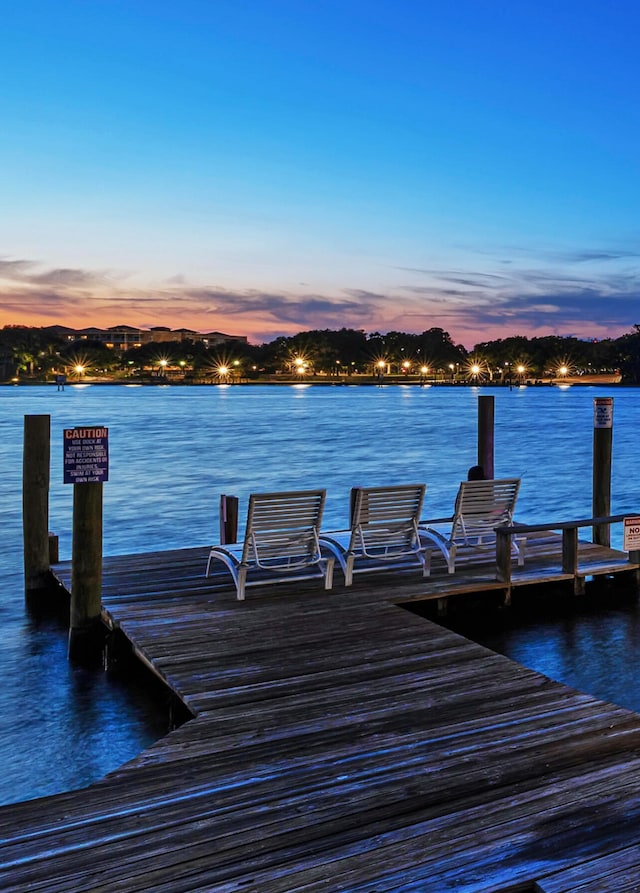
x=174, y=450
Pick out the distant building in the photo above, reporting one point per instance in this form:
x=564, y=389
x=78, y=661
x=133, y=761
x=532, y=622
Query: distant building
x=126, y=337
x=219, y=338
x=163, y=333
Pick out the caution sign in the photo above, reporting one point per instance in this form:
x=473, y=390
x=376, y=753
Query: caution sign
x=631, y=538
x=86, y=455
x=603, y=412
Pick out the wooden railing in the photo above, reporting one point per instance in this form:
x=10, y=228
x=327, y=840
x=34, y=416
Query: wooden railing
x=569, y=542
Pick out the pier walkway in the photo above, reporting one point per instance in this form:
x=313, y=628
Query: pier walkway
x=341, y=743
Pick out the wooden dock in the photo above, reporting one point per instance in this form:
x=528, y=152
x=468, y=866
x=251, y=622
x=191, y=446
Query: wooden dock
x=342, y=743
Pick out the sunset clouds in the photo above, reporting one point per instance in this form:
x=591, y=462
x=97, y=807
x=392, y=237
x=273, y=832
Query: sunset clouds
x=472, y=305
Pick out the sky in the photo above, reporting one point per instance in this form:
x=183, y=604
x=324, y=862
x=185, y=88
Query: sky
x=264, y=167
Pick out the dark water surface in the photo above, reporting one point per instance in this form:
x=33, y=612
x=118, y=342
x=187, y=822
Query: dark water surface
x=174, y=450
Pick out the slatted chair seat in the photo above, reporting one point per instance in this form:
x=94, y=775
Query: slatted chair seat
x=280, y=541
x=480, y=507
x=383, y=533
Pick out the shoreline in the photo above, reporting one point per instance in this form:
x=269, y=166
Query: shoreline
x=353, y=381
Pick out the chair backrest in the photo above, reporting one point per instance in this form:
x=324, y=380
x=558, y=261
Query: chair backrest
x=282, y=528
x=481, y=506
x=386, y=518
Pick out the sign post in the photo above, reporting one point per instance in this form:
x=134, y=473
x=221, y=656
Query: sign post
x=602, y=447
x=86, y=466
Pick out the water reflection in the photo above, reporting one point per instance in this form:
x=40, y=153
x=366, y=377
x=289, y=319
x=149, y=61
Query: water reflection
x=62, y=726
x=591, y=643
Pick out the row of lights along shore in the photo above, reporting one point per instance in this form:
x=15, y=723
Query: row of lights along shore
x=383, y=367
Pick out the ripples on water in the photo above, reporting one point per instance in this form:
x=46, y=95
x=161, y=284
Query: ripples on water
x=174, y=450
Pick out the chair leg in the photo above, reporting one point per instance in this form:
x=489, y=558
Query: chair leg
x=241, y=583
x=451, y=559
x=348, y=570
x=328, y=574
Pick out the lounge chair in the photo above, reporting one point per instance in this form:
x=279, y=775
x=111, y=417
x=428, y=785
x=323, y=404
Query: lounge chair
x=280, y=541
x=480, y=507
x=384, y=531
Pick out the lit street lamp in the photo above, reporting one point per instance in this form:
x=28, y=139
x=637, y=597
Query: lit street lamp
x=301, y=367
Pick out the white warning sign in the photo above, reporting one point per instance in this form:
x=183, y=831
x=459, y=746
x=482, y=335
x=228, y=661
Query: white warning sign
x=603, y=412
x=631, y=539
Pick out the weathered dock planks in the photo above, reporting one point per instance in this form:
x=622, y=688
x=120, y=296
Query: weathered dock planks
x=341, y=743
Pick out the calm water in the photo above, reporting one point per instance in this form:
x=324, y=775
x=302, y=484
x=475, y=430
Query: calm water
x=174, y=450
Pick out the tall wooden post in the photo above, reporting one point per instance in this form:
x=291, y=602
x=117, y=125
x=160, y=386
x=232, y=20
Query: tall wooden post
x=602, y=449
x=228, y=519
x=35, y=503
x=485, y=435
x=86, y=633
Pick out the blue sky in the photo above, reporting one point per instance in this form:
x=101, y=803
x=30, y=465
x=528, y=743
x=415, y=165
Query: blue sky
x=268, y=166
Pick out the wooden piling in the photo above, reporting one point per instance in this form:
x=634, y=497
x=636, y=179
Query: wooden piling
x=485, y=435
x=54, y=549
x=602, y=450
x=228, y=519
x=86, y=633
x=35, y=503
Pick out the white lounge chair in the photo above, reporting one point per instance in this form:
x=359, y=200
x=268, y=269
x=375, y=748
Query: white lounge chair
x=480, y=507
x=280, y=541
x=384, y=531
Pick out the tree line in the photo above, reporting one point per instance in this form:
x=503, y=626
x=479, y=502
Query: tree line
x=34, y=353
